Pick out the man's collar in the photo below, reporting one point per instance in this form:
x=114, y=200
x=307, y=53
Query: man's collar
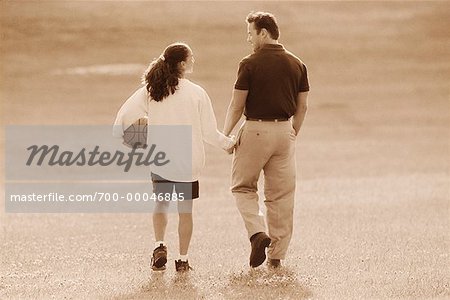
x=272, y=47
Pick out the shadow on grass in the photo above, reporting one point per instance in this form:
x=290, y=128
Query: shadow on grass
x=266, y=284
x=160, y=286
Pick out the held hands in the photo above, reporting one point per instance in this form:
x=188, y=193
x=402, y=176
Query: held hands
x=229, y=148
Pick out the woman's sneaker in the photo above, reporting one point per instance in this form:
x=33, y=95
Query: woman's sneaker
x=182, y=266
x=159, y=258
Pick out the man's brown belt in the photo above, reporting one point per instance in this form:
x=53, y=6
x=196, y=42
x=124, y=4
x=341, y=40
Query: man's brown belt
x=268, y=120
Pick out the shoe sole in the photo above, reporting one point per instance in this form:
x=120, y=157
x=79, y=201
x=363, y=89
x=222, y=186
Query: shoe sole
x=259, y=256
x=160, y=263
x=163, y=268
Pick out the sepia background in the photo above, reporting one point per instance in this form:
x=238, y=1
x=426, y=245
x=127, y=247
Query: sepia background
x=372, y=204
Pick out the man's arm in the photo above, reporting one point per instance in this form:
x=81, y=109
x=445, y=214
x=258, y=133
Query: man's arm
x=302, y=106
x=235, y=110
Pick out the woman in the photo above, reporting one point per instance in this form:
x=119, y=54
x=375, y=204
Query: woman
x=168, y=98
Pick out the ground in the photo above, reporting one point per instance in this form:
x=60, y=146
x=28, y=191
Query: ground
x=372, y=204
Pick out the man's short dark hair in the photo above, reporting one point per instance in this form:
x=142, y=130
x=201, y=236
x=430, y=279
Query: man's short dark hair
x=264, y=20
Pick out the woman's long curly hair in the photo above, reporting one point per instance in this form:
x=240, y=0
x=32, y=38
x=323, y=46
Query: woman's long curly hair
x=161, y=77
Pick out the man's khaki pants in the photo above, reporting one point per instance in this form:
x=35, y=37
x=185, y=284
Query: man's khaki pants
x=270, y=147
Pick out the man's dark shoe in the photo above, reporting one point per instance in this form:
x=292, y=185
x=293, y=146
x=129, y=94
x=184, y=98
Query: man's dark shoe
x=159, y=258
x=260, y=241
x=274, y=263
x=182, y=266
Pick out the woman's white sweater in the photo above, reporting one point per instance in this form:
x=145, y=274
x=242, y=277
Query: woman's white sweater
x=190, y=105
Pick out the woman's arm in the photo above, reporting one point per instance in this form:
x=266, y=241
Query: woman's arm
x=209, y=126
x=134, y=108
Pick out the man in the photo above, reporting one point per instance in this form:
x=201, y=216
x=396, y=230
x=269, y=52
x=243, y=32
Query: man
x=271, y=87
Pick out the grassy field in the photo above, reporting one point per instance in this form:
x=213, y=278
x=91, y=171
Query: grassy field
x=372, y=205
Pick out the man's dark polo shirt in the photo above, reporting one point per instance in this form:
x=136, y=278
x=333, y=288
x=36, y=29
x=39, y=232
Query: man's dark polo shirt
x=273, y=78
